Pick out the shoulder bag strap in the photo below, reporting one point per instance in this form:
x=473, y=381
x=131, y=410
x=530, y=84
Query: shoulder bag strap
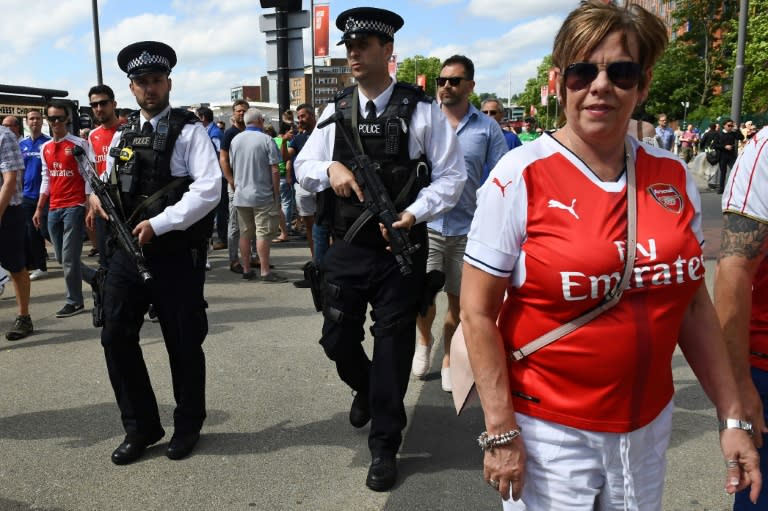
x=614, y=295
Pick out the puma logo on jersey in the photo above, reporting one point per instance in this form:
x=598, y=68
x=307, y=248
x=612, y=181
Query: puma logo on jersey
x=559, y=205
x=502, y=187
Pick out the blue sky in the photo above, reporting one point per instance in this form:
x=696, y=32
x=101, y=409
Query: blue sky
x=219, y=43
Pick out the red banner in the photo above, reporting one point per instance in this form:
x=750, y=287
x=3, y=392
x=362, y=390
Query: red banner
x=320, y=29
x=551, y=84
x=421, y=81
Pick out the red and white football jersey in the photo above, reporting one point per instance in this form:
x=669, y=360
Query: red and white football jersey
x=99, y=140
x=559, y=233
x=747, y=194
x=61, y=175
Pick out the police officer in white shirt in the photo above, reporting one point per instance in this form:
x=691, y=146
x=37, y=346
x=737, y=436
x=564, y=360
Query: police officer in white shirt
x=404, y=131
x=163, y=170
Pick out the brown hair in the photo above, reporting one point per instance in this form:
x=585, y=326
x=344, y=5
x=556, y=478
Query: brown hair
x=587, y=25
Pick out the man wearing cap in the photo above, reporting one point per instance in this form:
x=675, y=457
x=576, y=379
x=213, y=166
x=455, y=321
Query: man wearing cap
x=421, y=166
x=163, y=169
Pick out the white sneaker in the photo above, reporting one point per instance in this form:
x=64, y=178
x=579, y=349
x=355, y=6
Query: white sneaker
x=420, y=364
x=37, y=274
x=445, y=376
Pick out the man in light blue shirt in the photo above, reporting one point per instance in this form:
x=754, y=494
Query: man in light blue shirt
x=665, y=135
x=482, y=143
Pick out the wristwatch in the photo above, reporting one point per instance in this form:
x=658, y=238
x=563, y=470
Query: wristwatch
x=735, y=424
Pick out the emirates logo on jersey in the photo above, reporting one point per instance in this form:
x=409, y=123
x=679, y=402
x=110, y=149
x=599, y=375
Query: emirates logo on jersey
x=667, y=196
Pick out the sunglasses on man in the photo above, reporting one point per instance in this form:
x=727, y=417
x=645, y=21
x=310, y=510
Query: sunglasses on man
x=624, y=75
x=56, y=118
x=453, y=80
x=102, y=103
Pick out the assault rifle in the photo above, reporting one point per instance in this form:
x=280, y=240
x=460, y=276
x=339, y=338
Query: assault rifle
x=123, y=232
x=377, y=200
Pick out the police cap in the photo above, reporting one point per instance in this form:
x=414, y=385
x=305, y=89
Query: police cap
x=364, y=21
x=146, y=57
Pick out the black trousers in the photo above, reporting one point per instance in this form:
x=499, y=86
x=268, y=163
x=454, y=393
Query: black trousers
x=355, y=276
x=34, y=239
x=727, y=159
x=176, y=291
x=222, y=212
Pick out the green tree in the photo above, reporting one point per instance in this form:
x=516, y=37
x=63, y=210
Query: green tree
x=420, y=65
x=531, y=95
x=756, y=59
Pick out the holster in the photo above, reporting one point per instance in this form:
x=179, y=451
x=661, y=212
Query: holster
x=433, y=283
x=313, y=276
x=97, y=288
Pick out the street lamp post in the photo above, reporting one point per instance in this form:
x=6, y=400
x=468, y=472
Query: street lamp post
x=685, y=105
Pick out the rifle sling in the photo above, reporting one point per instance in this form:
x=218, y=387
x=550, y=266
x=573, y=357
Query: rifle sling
x=175, y=183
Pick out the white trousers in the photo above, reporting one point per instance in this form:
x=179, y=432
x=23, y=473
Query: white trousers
x=572, y=469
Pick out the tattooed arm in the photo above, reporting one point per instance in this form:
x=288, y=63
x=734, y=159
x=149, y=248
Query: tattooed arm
x=742, y=248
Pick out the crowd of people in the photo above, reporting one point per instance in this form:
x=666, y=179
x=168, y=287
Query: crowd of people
x=571, y=259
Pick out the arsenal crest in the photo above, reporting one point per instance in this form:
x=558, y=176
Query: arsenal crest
x=668, y=196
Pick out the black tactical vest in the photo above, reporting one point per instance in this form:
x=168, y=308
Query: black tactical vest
x=385, y=141
x=143, y=182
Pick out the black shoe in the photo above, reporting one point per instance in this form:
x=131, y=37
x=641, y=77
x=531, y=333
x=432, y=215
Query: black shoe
x=382, y=474
x=22, y=327
x=182, y=445
x=70, y=310
x=133, y=447
x=359, y=414
x=303, y=284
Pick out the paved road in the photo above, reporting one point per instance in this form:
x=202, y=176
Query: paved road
x=277, y=436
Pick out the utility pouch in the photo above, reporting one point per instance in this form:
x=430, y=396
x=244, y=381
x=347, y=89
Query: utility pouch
x=313, y=276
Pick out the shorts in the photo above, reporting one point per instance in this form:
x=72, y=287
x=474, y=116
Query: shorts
x=306, y=202
x=262, y=221
x=12, y=239
x=446, y=253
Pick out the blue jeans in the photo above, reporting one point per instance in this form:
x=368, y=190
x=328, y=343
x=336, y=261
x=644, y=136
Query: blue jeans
x=742, y=502
x=321, y=240
x=66, y=226
x=287, y=201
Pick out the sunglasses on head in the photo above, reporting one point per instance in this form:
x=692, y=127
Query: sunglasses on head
x=624, y=75
x=103, y=102
x=490, y=112
x=57, y=118
x=453, y=80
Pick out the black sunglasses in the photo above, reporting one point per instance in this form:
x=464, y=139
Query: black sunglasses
x=57, y=118
x=453, y=80
x=103, y=102
x=490, y=112
x=624, y=75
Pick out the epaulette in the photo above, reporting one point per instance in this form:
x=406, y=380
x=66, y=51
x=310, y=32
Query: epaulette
x=343, y=92
x=185, y=116
x=416, y=90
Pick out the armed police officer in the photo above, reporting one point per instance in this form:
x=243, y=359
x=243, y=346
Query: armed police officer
x=417, y=156
x=165, y=180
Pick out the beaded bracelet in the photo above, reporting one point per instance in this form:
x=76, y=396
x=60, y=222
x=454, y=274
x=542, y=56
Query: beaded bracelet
x=488, y=442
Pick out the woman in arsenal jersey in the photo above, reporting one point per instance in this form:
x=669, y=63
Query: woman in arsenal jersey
x=584, y=422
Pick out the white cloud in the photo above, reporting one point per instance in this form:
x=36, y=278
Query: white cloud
x=519, y=9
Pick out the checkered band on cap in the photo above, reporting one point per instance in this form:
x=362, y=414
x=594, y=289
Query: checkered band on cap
x=147, y=59
x=370, y=26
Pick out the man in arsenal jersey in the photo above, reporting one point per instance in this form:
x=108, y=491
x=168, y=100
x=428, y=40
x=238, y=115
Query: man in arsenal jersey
x=65, y=188
x=102, y=100
x=741, y=289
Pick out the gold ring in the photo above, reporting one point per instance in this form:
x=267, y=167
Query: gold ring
x=494, y=484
